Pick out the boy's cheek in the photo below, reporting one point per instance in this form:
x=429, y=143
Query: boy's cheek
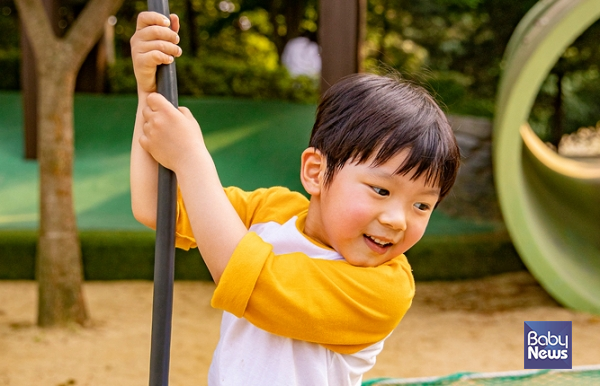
x=417, y=234
x=354, y=220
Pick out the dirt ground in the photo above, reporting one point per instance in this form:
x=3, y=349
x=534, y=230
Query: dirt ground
x=474, y=325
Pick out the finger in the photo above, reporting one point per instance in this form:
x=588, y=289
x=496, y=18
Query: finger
x=153, y=101
x=146, y=112
x=144, y=143
x=147, y=56
x=186, y=112
x=147, y=18
x=156, y=57
x=156, y=102
x=155, y=33
x=175, y=22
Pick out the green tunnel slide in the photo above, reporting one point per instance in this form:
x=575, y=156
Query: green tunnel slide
x=551, y=204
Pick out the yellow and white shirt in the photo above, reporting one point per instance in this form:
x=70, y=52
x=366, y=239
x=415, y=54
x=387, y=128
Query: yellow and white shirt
x=295, y=312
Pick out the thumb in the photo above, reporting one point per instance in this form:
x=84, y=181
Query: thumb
x=186, y=112
x=157, y=102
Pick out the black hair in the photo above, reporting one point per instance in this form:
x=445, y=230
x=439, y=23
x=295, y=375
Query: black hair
x=366, y=113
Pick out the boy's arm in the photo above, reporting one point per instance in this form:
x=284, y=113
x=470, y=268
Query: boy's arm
x=172, y=137
x=342, y=307
x=154, y=43
x=143, y=177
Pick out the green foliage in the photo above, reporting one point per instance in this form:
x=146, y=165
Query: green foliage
x=458, y=45
x=451, y=90
x=580, y=101
x=121, y=79
x=9, y=47
x=10, y=62
x=465, y=37
x=576, y=103
x=232, y=48
x=227, y=77
x=229, y=49
x=9, y=25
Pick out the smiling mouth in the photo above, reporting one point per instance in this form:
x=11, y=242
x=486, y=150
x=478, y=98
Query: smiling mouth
x=378, y=242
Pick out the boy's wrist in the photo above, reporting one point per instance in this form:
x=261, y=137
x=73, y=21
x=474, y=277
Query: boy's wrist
x=142, y=93
x=194, y=163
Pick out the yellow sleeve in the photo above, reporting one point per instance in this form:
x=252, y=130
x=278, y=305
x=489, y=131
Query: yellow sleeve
x=184, y=237
x=332, y=303
x=252, y=207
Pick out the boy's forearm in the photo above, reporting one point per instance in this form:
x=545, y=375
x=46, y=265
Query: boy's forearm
x=172, y=137
x=216, y=225
x=143, y=174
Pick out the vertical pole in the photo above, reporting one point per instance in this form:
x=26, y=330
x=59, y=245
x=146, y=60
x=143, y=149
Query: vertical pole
x=164, y=252
x=342, y=25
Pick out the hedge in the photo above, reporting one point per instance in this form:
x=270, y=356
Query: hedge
x=129, y=255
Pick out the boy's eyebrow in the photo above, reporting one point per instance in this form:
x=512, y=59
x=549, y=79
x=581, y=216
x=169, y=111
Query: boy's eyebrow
x=430, y=191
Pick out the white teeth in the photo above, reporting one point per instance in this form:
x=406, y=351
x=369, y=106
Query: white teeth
x=378, y=241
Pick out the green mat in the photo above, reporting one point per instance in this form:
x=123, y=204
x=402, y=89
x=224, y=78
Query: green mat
x=254, y=144
x=578, y=376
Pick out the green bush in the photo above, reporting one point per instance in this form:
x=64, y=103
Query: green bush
x=454, y=91
x=106, y=255
x=121, y=79
x=129, y=255
x=10, y=68
x=222, y=76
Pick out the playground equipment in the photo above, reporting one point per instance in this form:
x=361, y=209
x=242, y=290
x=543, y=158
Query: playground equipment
x=578, y=376
x=164, y=250
x=551, y=204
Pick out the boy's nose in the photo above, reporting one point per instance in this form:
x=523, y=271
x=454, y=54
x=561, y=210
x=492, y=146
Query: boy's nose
x=394, y=217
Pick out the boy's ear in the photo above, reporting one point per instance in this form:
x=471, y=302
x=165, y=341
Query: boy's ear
x=312, y=170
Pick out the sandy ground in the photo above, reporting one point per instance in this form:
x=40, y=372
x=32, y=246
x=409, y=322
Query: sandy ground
x=461, y=326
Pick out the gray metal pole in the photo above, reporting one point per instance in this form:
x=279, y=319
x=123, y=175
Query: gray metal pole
x=164, y=252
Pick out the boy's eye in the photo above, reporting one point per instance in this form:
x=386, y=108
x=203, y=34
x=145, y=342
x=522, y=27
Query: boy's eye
x=381, y=191
x=422, y=206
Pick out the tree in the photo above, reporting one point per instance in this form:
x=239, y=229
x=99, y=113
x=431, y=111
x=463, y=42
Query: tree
x=59, y=270
x=456, y=45
x=568, y=100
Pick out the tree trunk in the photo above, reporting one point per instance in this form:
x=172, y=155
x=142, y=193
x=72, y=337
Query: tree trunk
x=59, y=268
x=293, y=11
x=340, y=37
x=192, y=27
x=59, y=265
x=559, y=114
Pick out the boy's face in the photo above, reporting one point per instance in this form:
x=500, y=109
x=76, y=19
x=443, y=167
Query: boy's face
x=369, y=214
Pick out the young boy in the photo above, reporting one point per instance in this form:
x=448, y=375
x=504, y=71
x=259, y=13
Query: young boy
x=310, y=288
